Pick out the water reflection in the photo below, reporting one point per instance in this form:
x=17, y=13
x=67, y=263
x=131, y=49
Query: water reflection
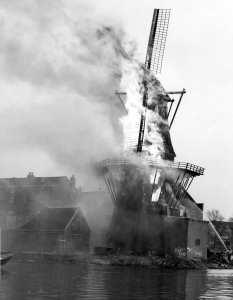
x=82, y=281
x=219, y=283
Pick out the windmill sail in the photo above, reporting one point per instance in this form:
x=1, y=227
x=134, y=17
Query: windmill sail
x=153, y=64
x=157, y=40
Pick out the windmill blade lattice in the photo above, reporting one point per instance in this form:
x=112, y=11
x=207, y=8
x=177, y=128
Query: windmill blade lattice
x=157, y=40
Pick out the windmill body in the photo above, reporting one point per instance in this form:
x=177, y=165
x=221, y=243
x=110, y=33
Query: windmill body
x=147, y=185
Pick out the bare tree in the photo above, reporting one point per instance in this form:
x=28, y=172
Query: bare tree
x=214, y=214
x=230, y=219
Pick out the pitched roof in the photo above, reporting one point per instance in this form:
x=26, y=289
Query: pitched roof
x=51, y=219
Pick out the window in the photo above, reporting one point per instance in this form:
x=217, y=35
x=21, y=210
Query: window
x=26, y=197
x=12, y=196
x=197, y=242
x=76, y=224
x=77, y=237
x=61, y=238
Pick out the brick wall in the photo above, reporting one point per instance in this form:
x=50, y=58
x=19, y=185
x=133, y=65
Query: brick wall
x=176, y=230
x=197, y=239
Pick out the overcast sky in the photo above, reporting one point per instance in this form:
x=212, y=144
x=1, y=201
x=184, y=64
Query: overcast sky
x=55, y=79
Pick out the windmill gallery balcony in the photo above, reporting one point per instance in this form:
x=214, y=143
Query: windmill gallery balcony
x=153, y=180
x=150, y=162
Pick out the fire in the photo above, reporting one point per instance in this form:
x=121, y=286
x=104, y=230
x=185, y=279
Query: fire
x=134, y=82
x=156, y=123
x=145, y=98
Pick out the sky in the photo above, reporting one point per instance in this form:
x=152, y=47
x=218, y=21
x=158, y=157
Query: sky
x=58, y=110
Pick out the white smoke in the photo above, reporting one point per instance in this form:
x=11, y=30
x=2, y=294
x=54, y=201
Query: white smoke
x=58, y=74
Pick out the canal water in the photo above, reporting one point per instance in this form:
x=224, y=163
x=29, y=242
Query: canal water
x=34, y=280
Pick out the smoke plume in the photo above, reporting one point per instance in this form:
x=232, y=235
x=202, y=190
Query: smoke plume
x=59, y=71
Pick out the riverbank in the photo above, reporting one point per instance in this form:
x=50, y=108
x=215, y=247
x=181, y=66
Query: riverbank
x=52, y=257
x=156, y=262
x=123, y=260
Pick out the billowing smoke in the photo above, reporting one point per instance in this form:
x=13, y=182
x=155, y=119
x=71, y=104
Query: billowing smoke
x=58, y=74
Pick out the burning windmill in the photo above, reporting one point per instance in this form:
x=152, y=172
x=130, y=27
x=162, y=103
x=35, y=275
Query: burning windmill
x=146, y=184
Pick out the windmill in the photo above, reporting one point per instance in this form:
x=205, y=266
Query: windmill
x=154, y=57
x=145, y=186
x=153, y=64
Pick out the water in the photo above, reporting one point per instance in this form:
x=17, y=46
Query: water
x=25, y=280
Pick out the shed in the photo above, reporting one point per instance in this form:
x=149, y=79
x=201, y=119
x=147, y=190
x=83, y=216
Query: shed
x=59, y=230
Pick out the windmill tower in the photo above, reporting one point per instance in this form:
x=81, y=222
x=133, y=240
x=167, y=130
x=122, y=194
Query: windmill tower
x=147, y=184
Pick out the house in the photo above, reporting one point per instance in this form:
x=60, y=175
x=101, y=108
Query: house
x=185, y=237
x=221, y=229
x=57, y=230
x=23, y=198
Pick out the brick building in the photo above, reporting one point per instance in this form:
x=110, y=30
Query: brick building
x=165, y=230
x=162, y=235
x=179, y=232
x=225, y=230
x=187, y=238
x=23, y=198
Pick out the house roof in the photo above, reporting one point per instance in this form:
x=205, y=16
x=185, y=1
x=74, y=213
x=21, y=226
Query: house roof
x=5, y=182
x=53, y=219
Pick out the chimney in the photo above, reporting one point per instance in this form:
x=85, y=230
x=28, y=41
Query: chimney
x=73, y=180
x=30, y=176
x=14, y=181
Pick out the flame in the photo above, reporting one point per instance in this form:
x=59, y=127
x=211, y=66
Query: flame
x=133, y=82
